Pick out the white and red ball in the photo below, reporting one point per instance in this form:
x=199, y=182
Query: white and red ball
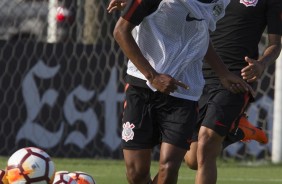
x=30, y=165
x=82, y=177
x=62, y=177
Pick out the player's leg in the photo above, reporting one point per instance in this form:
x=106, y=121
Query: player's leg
x=170, y=161
x=191, y=156
x=209, y=148
x=221, y=110
x=177, y=118
x=137, y=164
x=139, y=134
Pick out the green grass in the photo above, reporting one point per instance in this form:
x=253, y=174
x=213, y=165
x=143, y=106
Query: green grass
x=229, y=172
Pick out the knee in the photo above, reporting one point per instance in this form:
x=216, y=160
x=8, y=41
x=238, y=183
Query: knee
x=208, y=150
x=134, y=176
x=209, y=141
x=168, y=168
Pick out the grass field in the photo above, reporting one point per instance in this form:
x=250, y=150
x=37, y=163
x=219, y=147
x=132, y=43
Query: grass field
x=112, y=171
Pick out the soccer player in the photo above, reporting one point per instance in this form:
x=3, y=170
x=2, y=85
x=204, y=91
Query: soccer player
x=164, y=80
x=242, y=130
x=236, y=41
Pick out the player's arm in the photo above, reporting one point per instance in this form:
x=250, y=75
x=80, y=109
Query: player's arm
x=255, y=68
x=229, y=80
x=161, y=82
x=123, y=36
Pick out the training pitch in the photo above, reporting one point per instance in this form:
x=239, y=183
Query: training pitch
x=229, y=172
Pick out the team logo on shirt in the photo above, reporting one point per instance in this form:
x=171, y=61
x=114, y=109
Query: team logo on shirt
x=217, y=10
x=127, y=132
x=249, y=2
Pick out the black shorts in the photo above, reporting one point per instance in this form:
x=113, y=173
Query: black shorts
x=220, y=109
x=152, y=117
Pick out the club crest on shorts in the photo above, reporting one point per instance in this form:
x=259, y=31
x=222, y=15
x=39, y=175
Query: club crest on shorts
x=127, y=132
x=249, y=2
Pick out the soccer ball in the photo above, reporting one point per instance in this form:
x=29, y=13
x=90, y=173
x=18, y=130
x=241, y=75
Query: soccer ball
x=30, y=165
x=3, y=178
x=82, y=177
x=62, y=177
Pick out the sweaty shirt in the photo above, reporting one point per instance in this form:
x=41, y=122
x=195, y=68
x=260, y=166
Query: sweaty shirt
x=238, y=33
x=173, y=35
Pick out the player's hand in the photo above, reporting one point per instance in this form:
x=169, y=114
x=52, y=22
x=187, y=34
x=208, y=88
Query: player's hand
x=253, y=71
x=236, y=85
x=116, y=5
x=166, y=84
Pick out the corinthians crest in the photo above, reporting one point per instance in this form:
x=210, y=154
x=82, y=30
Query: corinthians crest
x=127, y=132
x=249, y=2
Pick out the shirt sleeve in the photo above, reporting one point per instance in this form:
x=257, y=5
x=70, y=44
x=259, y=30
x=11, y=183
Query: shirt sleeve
x=137, y=10
x=274, y=17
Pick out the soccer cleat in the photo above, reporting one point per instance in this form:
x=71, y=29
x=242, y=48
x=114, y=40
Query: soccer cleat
x=251, y=132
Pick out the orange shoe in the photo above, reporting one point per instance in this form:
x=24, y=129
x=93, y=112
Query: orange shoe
x=251, y=132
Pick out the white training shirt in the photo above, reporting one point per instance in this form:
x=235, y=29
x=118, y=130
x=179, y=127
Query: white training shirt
x=175, y=38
